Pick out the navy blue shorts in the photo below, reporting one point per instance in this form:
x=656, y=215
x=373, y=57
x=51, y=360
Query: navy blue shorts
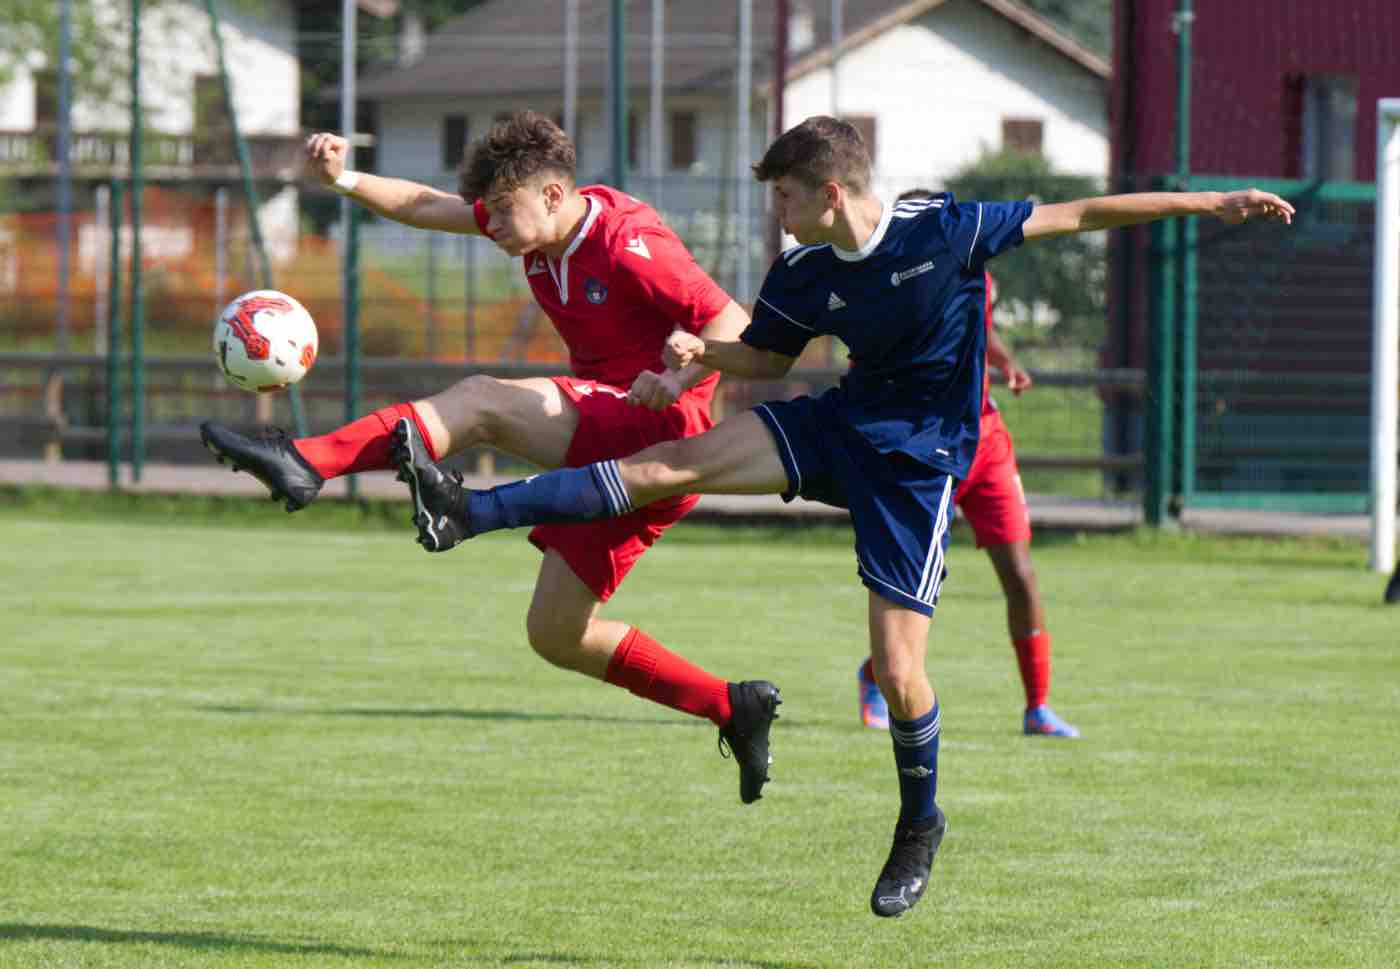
x=901, y=509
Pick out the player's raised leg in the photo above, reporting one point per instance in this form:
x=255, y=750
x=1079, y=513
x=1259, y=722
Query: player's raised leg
x=737, y=456
x=898, y=642
x=565, y=629
x=1025, y=620
x=529, y=418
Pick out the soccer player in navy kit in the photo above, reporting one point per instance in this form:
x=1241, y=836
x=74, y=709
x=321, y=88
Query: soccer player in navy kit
x=903, y=287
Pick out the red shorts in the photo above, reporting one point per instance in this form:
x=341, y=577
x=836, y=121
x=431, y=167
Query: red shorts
x=991, y=498
x=601, y=553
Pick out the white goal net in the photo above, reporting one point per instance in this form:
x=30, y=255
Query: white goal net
x=1385, y=360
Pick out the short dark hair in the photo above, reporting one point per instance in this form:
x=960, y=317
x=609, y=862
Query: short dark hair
x=910, y=194
x=514, y=151
x=819, y=150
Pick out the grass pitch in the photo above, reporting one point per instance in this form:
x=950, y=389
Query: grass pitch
x=236, y=743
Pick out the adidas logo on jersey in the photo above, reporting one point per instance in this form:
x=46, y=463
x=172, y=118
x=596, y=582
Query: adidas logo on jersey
x=835, y=303
x=637, y=247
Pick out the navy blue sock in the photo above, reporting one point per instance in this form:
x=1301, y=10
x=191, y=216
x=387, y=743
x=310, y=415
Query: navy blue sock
x=916, y=756
x=566, y=495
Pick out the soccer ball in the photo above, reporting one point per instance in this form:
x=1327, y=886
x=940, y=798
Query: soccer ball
x=265, y=340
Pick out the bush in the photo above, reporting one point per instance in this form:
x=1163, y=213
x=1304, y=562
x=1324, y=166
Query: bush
x=1053, y=292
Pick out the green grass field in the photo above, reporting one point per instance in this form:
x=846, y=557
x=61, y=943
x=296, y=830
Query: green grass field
x=227, y=742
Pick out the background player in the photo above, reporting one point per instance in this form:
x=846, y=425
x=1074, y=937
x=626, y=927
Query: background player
x=994, y=504
x=615, y=281
x=902, y=286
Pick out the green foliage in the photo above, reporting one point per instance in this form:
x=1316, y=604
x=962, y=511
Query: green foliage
x=1067, y=276
x=98, y=42
x=1088, y=21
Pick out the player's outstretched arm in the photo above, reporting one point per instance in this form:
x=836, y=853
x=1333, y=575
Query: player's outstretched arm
x=733, y=357
x=411, y=203
x=1115, y=211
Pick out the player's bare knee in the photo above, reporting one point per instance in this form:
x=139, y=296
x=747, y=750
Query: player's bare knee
x=659, y=469
x=471, y=409
x=556, y=641
x=1020, y=584
x=898, y=675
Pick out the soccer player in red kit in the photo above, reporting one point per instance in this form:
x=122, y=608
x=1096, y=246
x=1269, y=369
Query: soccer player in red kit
x=615, y=281
x=994, y=504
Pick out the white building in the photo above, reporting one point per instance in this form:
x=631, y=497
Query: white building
x=936, y=81
x=931, y=83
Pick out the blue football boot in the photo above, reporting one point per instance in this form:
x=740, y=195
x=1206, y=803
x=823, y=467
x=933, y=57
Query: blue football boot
x=1041, y=721
x=874, y=711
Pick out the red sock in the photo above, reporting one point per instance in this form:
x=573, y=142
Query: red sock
x=1033, y=656
x=361, y=445
x=651, y=671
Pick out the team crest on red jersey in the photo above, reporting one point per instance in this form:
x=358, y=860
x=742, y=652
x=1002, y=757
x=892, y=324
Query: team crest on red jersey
x=595, y=291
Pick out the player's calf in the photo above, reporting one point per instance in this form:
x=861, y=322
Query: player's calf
x=271, y=457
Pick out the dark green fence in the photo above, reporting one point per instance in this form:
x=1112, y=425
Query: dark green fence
x=1259, y=379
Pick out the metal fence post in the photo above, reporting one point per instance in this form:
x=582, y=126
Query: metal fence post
x=114, y=338
x=1158, y=412
x=138, y=310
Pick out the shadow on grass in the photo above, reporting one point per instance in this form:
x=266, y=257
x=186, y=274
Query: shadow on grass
x=505, y=716
x=191, y=940
x=442, y=713
x=568, y=959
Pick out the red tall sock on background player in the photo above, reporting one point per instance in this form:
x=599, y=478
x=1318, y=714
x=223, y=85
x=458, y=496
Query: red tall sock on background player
x=643, y=666
x=1033, y=657
x=362, y=445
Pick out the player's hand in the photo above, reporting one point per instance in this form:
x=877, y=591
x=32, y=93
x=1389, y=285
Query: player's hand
x=682, y=348
x=325, y=156
x=1017, y=379
x=1237, y=207
x=655, y=391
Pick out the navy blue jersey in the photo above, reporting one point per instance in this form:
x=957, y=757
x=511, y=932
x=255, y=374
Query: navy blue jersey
x=909, y=305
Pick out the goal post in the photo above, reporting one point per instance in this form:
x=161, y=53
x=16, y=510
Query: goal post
x=1385, y=339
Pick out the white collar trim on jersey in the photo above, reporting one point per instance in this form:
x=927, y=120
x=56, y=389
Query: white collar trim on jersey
x=876, y=237
x=561, y=277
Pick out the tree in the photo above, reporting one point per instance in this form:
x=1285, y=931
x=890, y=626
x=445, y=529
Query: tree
x=98, y=43
x=1053, y=291
x=1088, y=21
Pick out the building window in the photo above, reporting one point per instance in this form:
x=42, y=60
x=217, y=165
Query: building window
x=683, y=141
x=1024, y=136
x=1328, y=128
x=45, y=98
x=865, y=124
x=454, y=141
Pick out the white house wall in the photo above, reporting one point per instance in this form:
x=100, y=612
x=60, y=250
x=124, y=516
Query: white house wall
x=410, y=134
x=939, y=88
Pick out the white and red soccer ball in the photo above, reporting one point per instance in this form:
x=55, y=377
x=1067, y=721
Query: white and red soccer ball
x=265, y=340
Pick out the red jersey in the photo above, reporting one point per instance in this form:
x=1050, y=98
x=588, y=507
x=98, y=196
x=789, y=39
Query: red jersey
x=625, y=282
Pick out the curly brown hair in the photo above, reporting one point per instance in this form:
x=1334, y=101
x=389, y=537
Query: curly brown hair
x=514, y=151
x=821, y=149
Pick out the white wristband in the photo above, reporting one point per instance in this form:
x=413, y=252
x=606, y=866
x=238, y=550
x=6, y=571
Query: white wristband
x=346, y=181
